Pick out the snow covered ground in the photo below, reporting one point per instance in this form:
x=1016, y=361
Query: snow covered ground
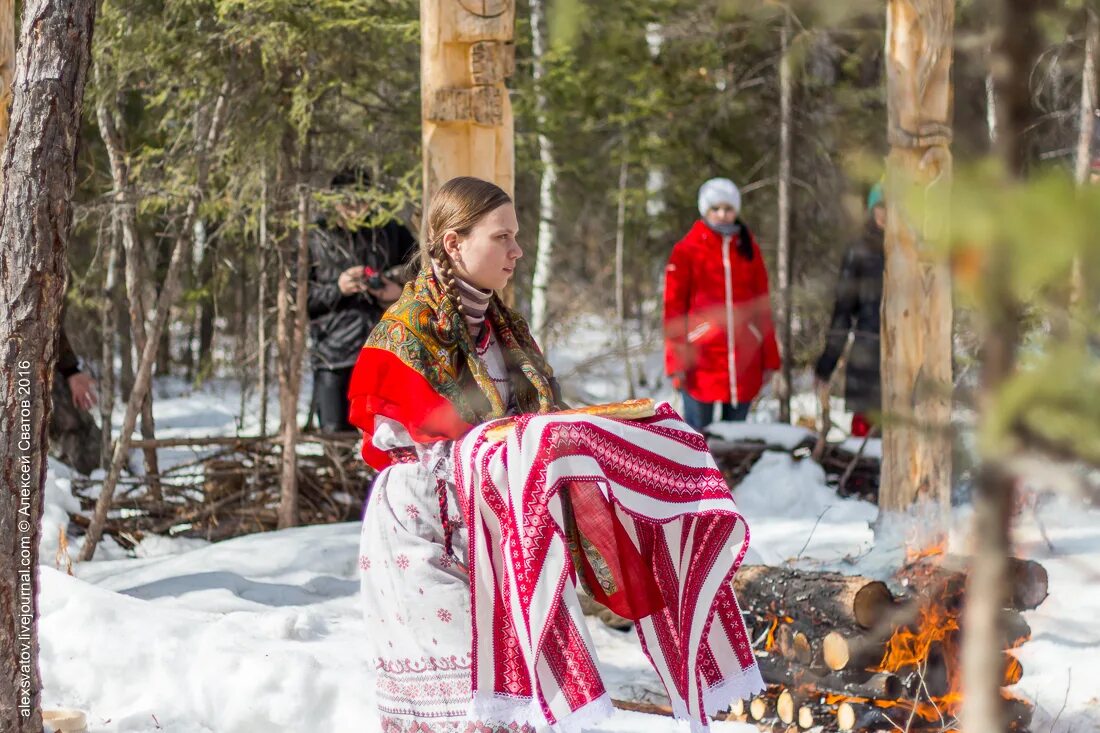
x=263, y=633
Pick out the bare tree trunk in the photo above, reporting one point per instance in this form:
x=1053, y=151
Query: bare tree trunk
x=989, y=580
x=108, y=318
x=1087, y=127
x=39, y=174
x=1087, y=116
x=785, y=293
x=916, y=308
x=242, y=343
x=292, y=328
x=540, y=282
x=620, y=305
x=991, y=108
x=125, y=338
x=205, y=316
x=162, y=362
x=284, y=340
x=126, y=215
x=143, y=379
x=262, y=307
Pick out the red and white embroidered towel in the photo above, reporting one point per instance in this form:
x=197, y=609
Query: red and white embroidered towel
x=663, y=539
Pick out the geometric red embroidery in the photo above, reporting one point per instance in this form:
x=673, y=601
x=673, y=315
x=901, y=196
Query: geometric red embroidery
x=400, y=725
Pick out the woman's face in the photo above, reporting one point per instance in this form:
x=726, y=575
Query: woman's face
x=721, y=214
x=486, y=257
x=880, y=216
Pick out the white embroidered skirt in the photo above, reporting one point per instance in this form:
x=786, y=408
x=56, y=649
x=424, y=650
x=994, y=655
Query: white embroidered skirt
x=416, y=605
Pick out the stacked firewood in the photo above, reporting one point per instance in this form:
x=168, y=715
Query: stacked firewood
x=850, y=653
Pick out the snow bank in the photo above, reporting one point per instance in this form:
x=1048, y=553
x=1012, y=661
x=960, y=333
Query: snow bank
x=783, y=499
x=211, y=640
x=259, y=633
x=779, y=435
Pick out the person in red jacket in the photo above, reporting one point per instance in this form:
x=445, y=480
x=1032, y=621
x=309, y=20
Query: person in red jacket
x=720, y=345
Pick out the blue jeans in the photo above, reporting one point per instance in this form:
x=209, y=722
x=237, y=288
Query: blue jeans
x=701, y=414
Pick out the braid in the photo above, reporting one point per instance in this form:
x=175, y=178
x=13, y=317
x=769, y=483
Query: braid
x=447, y=270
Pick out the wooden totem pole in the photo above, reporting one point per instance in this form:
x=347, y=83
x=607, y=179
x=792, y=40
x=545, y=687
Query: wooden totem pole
x=916, y=307
x=7, y=64
x=466, y=54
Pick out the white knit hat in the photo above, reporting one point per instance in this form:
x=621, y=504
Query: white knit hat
x=718, y=191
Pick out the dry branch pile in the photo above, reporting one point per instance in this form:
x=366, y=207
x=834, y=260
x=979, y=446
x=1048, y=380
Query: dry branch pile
x=851, y=474
x=231, y=488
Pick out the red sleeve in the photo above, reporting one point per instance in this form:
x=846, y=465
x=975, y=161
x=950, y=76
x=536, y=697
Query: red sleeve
x=381, y=384
x=677, y=303
x=764, y=311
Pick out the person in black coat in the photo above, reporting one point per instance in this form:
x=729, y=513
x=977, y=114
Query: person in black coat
x=355, y=273
x=858, y=309
x=75, y=438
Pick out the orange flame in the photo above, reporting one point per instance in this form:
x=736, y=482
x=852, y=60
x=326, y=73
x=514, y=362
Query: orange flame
x=906, y=648
x=769, y=642
x=913, y=555
x=1013, y=672
x=928, y=647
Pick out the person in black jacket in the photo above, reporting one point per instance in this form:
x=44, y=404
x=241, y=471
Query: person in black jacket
x=75, y=438
x=858, y=306
x=355, y=273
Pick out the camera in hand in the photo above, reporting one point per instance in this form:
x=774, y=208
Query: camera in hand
x=372, y=278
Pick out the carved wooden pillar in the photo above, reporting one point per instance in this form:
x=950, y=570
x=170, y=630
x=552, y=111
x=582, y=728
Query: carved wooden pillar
x=466, y=55
x=7, y=63
x=916, y=307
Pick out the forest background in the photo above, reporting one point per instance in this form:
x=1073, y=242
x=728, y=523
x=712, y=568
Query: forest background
x=671, y=92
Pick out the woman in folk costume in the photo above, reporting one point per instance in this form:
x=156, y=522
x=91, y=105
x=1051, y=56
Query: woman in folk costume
x=491, y=505
x=720, y=343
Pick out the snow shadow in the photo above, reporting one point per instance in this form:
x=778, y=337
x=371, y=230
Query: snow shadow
x=316, y=590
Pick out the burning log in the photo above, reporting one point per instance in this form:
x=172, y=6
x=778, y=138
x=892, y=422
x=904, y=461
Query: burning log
x=886, y=715
x=1016, y=628
x=861, y=651
x=794, y=644
x=817, y=599
x=851, y=652
x=798, y=709
x=857, y=652
x=814, y=713
x=861, y=716
x=1032, y=584
x=785, y=707
x=760, y=707
x=850, y=683
x=944, y=579
x=1019, y=714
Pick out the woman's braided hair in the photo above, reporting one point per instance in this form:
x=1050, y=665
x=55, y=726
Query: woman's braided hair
x=458, y=206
